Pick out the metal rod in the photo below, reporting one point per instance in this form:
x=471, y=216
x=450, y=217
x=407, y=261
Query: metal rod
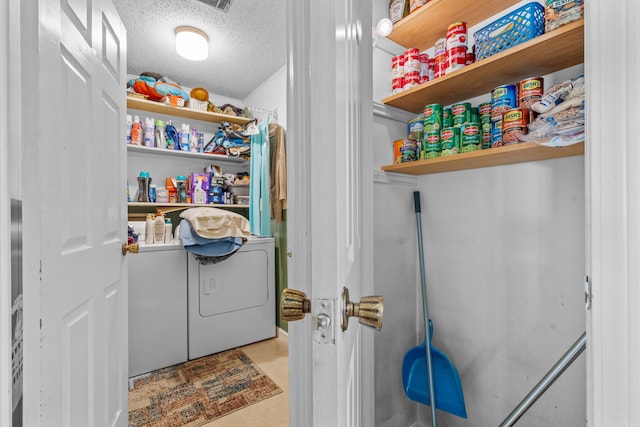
x=554, y=373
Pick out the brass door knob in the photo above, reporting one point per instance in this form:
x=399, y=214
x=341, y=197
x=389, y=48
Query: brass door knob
x=133, y=248
x=294, y=305
x=369, y=310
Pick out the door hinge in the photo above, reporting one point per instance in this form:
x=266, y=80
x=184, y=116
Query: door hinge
x=587, y=293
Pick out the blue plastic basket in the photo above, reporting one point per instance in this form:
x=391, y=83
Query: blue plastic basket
x=517, y=27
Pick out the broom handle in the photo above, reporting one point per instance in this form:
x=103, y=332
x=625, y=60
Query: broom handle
x=425, y=311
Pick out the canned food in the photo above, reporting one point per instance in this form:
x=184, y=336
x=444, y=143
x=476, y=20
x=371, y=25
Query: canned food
x=424, y=67
x=415, y=129
x=457, y=36
x=440, y=66
x=486, y=138
x=461, y=113
x=408, y=150
x=450, y=141
x=475, y=115
x=432, y=117
x=397, y=85
x=411, y=61
x=432, y=66
x=503, y=98
x=484, y=109
x=441, y=46
x=514, y=124
x=496, y=133
x=397, y=67
x=431, y=147
x=411, y=79
x=470, y=137
x=397, y=152
x=456, y=59
x=446, y=118
x=471, y=58
x=530, y=91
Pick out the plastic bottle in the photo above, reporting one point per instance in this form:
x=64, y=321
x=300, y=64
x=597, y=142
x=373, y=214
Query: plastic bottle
x=144, y=184
x=152, y=193
x=148, y=230
x=199, y=195
x=149, y=132
x=173, y=139
x=162, y=196
x=181, y=187
x=200, y=142
x=129, y=124
x=136, y=131
x=171, y=190
x=160, y=136
x=158, y=229
x=184, y=137
x=168, y=231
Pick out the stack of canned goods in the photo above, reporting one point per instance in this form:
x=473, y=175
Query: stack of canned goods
x=510, y=109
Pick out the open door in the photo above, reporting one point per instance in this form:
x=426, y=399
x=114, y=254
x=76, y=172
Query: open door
x=330, y=212
x=79, y=202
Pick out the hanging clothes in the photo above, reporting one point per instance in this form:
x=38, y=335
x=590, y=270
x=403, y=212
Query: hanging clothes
x=278, y=167
x=259, y=203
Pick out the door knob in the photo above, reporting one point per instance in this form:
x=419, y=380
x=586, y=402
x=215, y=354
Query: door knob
x=133, y=248
x=294, y=305
x=369, y=310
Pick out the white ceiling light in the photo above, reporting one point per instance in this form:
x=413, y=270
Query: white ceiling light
x=192, y=43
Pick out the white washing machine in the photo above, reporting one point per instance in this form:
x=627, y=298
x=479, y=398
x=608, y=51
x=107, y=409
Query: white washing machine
x=232, y=303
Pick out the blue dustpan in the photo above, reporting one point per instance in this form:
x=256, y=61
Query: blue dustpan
x=447, y=386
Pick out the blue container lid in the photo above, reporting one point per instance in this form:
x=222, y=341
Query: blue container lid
x=144, y=174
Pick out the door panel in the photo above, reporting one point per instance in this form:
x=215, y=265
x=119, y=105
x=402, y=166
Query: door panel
x=83, y=214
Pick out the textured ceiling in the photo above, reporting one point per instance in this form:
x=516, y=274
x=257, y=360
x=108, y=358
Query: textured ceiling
x=247, y=44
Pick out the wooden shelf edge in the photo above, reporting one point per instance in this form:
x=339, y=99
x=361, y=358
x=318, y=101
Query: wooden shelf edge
x=182, y=205
x=508, y=154
x=170, y=110
x=480, y=77
x=424, y=26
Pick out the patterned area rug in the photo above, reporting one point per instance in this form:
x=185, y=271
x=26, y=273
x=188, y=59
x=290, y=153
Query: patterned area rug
x=197, y=391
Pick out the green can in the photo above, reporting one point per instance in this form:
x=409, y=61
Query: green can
x=475, y=115
x=446, y=118
x=450, y=141
x=484, y=109
x=460, y=114
x=431, y=146
x=432, y=118
x=470, y=137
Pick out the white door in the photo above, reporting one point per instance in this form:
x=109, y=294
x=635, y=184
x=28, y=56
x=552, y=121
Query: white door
x=330, y=220
x=81, y=161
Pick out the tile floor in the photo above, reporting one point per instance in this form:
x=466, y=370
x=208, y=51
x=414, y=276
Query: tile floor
x=272, y=357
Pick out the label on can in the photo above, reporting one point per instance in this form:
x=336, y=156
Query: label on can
x=411, y=79
x=440, y=66
x=411, y=60
x=424, y=67
x=397, y=153
x=446, y=118
x=470, y=137
x=415, y=128
x=503, y=98
x=530, y=91
x=461, y=113
x=408, y=150
x=450, y=141
x=397, y=85
x=475, y=114
x=397, y=67
x=484, y=109
x=432, y=117
x=457, y=36
x=514, y=124
x=456, y=58
x=431, y=146
x=441, y=46
x=471, y=58
x=486, y=138
x=496, y=133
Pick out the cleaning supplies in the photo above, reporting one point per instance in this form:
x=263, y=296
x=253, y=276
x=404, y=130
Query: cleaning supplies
x=158, y=229
x=168, y=231
x=173, y=139
x=144, y=183
x=148, y=230
x=181, y=187
x=149, y=132
x=136, y=131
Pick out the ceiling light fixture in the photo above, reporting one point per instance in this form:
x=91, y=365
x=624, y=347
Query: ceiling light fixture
x=192, y=43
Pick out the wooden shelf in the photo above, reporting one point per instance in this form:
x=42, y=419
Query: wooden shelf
x=553, y=51
x=170, y=110
x=508, y=154
x=189, y=154
x=423, y=27
x=184, y=205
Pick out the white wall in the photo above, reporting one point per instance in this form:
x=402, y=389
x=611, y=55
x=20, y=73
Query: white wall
x=271, y=95
x=504, y=252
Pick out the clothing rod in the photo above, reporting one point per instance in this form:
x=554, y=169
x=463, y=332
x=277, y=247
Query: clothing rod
x=554, y=373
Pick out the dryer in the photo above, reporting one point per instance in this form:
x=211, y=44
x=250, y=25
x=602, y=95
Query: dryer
x=232, y=303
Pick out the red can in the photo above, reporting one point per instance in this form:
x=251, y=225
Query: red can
x=440, y=66
x=441, y=47
x=424, y=67
x=411, y=79
x=397, y=66
x=514, y=124
x=456, y=58
x=397, y=85
x=457, y=35
x=471, y=58
x=411, y=60
x=530, y=91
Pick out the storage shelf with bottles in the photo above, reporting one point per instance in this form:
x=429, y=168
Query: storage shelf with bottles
x=170, y=110
x=550, y=52
x=185, y=205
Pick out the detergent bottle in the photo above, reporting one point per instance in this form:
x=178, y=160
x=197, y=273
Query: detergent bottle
x=173, y=139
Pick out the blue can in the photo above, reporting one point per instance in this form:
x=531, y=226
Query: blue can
x=503, y=98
